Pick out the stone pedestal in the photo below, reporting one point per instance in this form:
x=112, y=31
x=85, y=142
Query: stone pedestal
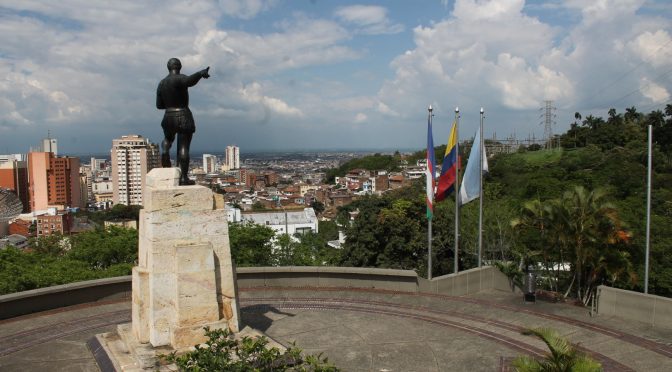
x=184, y=280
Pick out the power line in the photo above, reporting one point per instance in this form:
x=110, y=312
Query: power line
x=639, y=89
x=662, y=106
x=647, y=59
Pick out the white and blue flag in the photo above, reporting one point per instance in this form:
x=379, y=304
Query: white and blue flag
x=470, y=190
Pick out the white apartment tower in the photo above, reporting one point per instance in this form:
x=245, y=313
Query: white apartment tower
x=132, y=158
x=232, y=160
x=209, y=163
x=50, y=145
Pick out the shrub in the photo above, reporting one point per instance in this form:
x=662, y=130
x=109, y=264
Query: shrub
x=222, y=352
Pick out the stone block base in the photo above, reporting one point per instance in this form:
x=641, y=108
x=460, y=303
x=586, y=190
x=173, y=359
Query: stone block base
x=188, y=336
x=122, y=351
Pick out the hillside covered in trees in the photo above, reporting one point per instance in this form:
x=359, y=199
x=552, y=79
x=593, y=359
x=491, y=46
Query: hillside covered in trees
x=581, y=206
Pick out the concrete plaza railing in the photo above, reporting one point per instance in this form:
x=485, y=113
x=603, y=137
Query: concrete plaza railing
x=650, y=309
x=326, y=276
x=463, y=283
x=49, y=298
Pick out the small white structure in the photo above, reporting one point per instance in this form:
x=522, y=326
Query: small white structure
x=289, y=222
x=233, y=214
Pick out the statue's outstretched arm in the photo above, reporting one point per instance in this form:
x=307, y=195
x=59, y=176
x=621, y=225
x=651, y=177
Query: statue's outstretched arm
x=194, y=78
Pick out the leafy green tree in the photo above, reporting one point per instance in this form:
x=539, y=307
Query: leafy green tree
x=590, y=225
x=251, y=244
x=118, y=212
x=662, y=132
x=318, y=207
x=562, y=356
x=387, y=232
x=22, y=271
x=124, y=212
x=581, y=227
x=102, y=248
x=53, y=245
x=286, y=252
x=404, y=246
x=328, y=230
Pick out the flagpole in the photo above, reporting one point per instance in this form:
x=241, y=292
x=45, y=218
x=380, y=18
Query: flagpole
x=457, y=182
x=480, y=191
x=648, y=216
x=429, y=223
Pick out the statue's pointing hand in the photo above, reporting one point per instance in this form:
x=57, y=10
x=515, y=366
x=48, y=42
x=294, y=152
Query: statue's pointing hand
x=205, y=72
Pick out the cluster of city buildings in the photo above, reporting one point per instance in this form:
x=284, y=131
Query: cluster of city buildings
x=278, y=191
x=49, y=188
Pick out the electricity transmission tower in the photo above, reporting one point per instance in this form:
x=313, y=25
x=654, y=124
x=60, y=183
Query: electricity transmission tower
x=548, y=116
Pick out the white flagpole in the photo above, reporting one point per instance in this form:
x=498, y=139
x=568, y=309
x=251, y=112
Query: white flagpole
x=429, y=226
x=648, y=216
x=456, y=187
x=480, y=191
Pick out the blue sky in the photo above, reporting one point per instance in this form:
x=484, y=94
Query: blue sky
x=295, y=75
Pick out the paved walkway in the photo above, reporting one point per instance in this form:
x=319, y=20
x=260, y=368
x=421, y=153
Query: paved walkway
x=366, y=330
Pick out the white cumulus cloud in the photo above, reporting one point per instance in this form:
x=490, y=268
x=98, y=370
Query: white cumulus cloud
x=655, y=92
x=369, y=19
x=653, y=47
x=252, y=94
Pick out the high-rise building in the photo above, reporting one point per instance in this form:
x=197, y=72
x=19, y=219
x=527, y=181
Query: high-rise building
x=14, y=176
x=232, y=157
x=53, y=180
x=209, y=163
x=132, y=158
x=97, y=164
x=50, y=145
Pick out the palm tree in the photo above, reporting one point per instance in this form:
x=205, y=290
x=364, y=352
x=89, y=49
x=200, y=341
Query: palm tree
x=533, y=218
x=589, y=225
x=563, y=356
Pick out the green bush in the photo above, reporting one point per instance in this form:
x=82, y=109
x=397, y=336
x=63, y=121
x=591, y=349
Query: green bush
x=222, y=352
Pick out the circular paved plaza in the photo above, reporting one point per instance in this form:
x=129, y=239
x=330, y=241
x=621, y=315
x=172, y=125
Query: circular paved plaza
x=366, y=330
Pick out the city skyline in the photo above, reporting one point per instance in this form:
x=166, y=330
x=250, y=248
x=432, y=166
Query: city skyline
x=316, y=75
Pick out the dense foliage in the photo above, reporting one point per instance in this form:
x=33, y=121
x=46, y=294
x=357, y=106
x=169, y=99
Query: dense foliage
x=118, y=212
x=223, y=352
x=54, y=260
x=257, y=245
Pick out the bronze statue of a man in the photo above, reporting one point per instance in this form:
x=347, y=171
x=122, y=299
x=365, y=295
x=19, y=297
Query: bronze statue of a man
x=173, y=96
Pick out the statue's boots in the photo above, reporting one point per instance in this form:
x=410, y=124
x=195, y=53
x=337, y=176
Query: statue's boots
x=165, y=161
x=186, y=182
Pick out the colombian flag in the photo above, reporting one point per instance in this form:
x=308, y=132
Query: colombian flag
x=449, y=167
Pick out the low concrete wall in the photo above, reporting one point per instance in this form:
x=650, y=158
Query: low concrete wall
x=325, y=276
x=651, y=309
x=41, y=299
x=466, y=282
